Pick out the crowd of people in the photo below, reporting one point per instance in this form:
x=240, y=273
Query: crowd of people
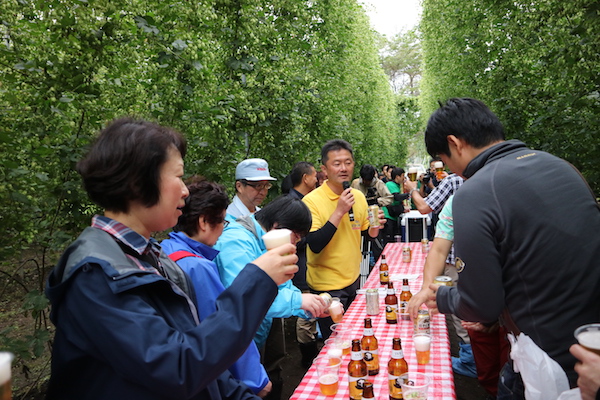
x=200, y=315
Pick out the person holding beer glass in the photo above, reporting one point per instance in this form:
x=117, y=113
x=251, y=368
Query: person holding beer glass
x=126, y=318
x=242, y=241
x=191, y=246
x=588, y=369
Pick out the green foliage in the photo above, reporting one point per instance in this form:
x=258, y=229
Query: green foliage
x=534, y=63
x=240, y=78
x=401, y=60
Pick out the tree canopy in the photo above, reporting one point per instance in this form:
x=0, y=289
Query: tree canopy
x=534, y=63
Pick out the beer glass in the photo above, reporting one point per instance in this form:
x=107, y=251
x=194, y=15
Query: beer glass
x=328, y=371
x=439, y=170
x=422, y=342
x=412, y=174
x=415, y=385
x=344, y=334
x=336, y=310
x=5, y=375
x=589, y=337
x=334, y=348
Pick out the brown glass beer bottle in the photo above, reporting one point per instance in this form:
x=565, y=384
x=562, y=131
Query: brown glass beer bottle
x=396, y=367
x=391, y=305
x=370, y=348
x=384, y=271
x=368, y=391
x=405, y=297
x=357, y=371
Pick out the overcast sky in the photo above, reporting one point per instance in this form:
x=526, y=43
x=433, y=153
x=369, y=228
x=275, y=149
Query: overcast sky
x=393, y=16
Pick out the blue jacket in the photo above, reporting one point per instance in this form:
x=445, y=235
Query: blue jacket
x=204, y=275
x=126, y=333
x=241, y=243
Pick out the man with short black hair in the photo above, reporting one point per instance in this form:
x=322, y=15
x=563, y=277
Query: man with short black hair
x=339, y=215
x=524, y=250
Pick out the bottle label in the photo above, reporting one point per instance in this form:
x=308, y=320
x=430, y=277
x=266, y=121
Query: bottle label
x=356, y=384
x=368, y=332
x=371, y=357
x=397, y=354
x=394, y=387
x=356, y=355
x=391, y=312
x=391, y=291
x=404, y=315
x=384, y=276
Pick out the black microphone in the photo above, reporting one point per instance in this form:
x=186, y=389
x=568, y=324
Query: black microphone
x=346, y=185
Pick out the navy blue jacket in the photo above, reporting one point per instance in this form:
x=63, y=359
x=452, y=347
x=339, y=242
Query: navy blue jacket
x=123, y=333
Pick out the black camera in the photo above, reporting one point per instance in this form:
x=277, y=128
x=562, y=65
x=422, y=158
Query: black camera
x=371, y=196
x=427, y=177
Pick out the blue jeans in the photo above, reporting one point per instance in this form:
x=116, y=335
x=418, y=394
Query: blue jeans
x=510, y=384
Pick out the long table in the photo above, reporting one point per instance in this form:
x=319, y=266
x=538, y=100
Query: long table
x=439, y=367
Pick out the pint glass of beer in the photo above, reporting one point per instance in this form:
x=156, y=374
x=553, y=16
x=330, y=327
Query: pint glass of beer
x=589, y=337
x=5, y=375
x=328, y=371
x=422, y=342
x=439, y=169
x=412, y=174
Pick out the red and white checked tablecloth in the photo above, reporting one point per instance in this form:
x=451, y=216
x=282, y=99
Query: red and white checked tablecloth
x=439, y=367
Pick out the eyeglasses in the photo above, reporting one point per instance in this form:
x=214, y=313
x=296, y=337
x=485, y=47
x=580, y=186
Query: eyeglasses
x=260, y=186
x=225, y=223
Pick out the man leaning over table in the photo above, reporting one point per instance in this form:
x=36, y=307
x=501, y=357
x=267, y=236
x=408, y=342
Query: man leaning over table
x=333, y=244
x=488, y=343
x=538, y=265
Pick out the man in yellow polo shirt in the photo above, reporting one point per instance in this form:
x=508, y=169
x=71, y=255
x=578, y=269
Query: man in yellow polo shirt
x=339, y=216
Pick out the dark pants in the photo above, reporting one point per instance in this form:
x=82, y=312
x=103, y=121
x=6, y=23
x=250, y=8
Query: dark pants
x=272, y=356
x=346, y=296
x=510, y=384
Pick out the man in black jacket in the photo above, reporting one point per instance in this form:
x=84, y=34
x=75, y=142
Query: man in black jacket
x=526, y=234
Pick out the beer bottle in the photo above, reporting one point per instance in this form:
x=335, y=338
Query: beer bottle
x=368, y=391
x=357, y=371
x=384, y=271
x=391, y=305
x=370, y=348
x=396, y=367
x=405, y=297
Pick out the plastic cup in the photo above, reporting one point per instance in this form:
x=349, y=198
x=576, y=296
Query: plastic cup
x=328, y=372
x=415, y=385
x=334, y=346
x=5, y=375
x=344, y=334
x=336, y=310
x=277, y=237
x=589, y=337
x=422, y=342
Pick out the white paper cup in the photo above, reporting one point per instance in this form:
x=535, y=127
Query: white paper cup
x=5, y=375
x=277, y=237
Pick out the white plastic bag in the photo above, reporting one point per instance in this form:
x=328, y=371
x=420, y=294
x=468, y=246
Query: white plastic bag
x=543, y=377
x=573, y=394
